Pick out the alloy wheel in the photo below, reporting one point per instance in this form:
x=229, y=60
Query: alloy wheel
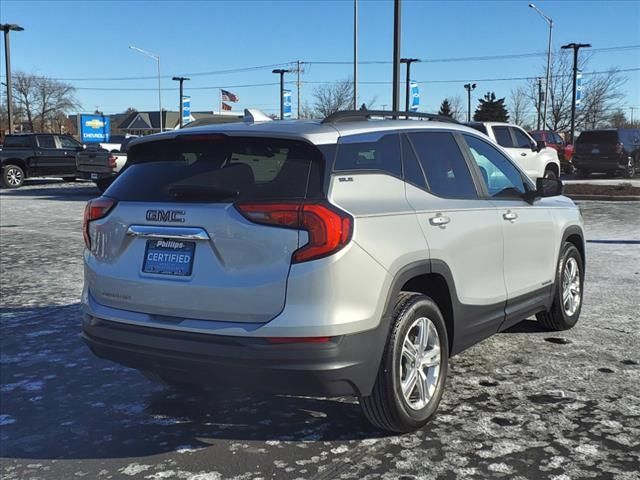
x=571, y=293
x=13, y=176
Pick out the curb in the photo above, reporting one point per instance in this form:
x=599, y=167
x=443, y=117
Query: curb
x=606, y=198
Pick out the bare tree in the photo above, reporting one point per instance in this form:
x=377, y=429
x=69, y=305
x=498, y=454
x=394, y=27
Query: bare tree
x=601, y=94
x=458, y=111
x=518, y=105
x=333, y=97
x=43, y=100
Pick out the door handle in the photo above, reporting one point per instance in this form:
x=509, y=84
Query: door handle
x=509, y=215
x=439, y=220
x=523, y=154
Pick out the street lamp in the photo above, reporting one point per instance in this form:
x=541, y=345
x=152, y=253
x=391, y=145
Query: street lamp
x=281, y=72
x=397, y=27
x=408, y=61
x=157, y=59
x=6, y=28
x=546, y=85
x=468, y=87
x=575, y=47
x=181, y=80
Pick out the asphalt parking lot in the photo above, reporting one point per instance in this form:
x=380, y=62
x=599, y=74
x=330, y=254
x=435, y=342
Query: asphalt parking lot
x=524, y=404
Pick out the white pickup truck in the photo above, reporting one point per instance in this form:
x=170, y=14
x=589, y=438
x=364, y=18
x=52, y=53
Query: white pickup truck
x=533, y=157
x=101, y=163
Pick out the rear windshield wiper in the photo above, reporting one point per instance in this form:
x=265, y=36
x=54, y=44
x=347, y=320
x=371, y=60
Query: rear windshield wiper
x=201, y=192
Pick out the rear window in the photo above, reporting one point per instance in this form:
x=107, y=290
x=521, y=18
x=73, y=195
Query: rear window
x=220, y=168
x=602, y=136
x=18, y=141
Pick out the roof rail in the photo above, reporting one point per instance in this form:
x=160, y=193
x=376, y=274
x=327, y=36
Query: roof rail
x=362, y=115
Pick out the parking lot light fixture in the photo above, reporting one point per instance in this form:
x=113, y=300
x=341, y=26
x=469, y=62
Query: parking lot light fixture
x=181, y=80
x=546, y=85
x=7, y=28
x=157, y=59
x=575, y=47
x=469, y=87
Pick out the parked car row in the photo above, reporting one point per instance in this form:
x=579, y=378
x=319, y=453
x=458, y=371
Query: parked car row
x=54, y=155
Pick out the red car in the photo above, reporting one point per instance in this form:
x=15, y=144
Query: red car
x=553, y=140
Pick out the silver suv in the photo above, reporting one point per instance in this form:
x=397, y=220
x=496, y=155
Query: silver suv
x=349, y=256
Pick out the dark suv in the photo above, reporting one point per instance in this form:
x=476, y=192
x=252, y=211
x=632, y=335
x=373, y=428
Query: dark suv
x=610, y=151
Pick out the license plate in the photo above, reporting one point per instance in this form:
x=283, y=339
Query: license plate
x=94, y=176
x=169, y=257
x=595, y=151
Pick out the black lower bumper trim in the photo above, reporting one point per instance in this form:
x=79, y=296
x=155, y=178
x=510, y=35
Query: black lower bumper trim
x=345, y=365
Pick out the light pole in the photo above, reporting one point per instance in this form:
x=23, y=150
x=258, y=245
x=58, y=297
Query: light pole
x=355, y=55
x=6, y=28
x=281, y=72
x=181, y=80
x=157, y=59
x=468, y=87
x=575, y=47
x=408, y=61
x=397, y=27
x=539, y=100
x=546, y=84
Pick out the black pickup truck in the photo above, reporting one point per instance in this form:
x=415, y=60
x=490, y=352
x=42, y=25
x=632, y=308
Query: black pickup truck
x=38, y=155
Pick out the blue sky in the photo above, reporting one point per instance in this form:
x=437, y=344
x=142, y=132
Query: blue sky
x=83, y=39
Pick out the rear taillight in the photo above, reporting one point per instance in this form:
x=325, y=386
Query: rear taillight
x=329, y=228
x=95, y=209
x=619, y=147
x=112, y=161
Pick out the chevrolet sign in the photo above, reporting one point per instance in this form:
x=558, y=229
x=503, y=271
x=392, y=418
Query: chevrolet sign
x=94, y=123
x=94, y=128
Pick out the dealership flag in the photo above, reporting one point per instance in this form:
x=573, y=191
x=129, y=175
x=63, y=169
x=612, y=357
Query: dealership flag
x=227, y=96
x=415, y=97
x=286, y=103
x=579, y=94
x=226, y=106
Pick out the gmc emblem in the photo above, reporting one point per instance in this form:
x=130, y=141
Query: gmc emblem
x=165, y=216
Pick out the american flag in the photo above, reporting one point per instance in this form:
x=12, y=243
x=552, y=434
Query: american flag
x=227, y=96
x=225, y=106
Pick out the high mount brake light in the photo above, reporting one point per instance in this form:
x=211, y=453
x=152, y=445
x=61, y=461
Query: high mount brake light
x=329, y=228
x=94, y=210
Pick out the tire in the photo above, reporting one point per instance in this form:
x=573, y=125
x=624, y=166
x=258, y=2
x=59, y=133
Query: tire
x=560, y=317
x=388, y=408
x=582, y=172
x=630, y=171
x=12, y=176
x=103, y=184
x=550, y=173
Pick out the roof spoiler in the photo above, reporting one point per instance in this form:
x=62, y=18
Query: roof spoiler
x=252, y=115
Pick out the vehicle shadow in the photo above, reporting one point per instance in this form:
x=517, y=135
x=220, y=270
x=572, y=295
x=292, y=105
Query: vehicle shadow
x=526, y=326
x=51, y=189
x=61, y=402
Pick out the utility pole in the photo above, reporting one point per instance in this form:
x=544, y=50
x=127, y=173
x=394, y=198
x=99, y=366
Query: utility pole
x=408, y=61
x=575, y=47
x=6, y=28
x=397, y=26
x=468, y=87
x=539, y=101
x=181, y=80
x=298, y=86
x=281, y=72
x=355, y=54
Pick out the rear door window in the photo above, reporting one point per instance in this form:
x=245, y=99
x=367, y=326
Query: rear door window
x=378, y=151
x=220, y=168
x=503, y=137
x=443, y=164
x=46, y=141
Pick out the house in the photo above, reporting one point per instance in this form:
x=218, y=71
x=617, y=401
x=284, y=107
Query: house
x=145, y=123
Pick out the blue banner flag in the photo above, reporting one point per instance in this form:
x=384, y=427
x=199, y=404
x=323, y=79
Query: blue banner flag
x=94, y=129
x=186, y=109
x=579, y=89
x=286, y=103
x=415, y=97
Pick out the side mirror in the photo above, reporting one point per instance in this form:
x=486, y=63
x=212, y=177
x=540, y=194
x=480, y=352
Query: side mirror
x=540, y=145
x=548, y=187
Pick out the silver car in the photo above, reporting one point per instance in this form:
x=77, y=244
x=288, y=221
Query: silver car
x=349, y=256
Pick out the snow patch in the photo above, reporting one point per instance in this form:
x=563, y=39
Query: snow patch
x=134, y=469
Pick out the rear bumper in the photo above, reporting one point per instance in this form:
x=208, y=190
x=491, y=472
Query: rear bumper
x=95, y=175
x=617, y=162
x=346, y=365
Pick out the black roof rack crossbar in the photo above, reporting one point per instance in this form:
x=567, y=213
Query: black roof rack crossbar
x=361, y=115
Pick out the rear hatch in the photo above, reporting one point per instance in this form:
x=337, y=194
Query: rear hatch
x=177, y=244
x=597, y=144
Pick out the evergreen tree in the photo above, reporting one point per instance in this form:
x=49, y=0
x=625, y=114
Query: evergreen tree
x=445, y=109
x=491, y=109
